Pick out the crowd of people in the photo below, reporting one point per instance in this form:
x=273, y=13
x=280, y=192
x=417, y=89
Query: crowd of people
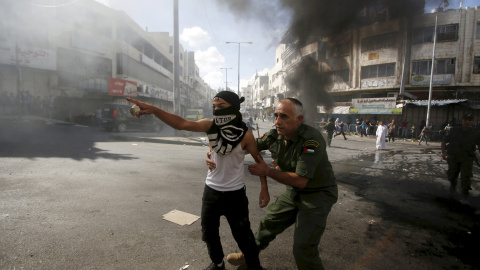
x=24, y=103
x=395, y=130
x=387, y=132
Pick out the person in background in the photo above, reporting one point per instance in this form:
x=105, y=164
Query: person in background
x=330, y=128
x=358, y=127
x=423, y=136
x=224, y=193
x=98, y=116
x=342, y=132
x=364, y=128
x=381, y=134
x=447, y=130
x=404, y=128
x=458, y=149
x=414, y=132
x=392, y=131
x=337, y=125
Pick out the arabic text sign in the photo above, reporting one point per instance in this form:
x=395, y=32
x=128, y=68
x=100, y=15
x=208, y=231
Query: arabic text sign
x=119, y=87
x=371, y=103
x=27, y=56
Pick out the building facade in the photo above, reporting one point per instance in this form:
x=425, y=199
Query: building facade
x=83, y=54
x=370, y=65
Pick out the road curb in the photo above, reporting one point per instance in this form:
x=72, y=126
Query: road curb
x=157, y=140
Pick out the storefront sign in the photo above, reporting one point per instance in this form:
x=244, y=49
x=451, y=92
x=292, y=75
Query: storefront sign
x=373, y=56
x=437, y=79
x=119, y=87
x=27, y=56
x=376, y=111
x=374, y=103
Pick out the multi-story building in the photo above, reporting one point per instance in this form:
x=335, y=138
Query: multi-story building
x=378, y=68
x=247, y=93
x=276, y=82
x=83, y=54
x=259, y=86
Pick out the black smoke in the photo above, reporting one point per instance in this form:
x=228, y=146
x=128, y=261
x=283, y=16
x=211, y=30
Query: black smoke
x=311, y=21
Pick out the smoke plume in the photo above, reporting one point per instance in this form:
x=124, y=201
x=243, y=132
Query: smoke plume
x=313, y=20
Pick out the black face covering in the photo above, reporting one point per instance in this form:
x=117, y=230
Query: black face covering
x=227, y=130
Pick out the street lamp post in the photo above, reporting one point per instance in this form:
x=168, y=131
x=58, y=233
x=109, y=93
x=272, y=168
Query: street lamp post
x=445, y=4
x=226, y=78
x=248, y=42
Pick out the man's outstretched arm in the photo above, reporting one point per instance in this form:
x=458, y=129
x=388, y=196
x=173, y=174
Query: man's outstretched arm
x=172, y=120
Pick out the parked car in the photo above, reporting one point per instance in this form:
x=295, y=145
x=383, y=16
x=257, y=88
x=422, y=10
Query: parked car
x=118, y=117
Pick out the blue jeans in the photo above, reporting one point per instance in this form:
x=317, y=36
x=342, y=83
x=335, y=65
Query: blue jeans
x=423, y=138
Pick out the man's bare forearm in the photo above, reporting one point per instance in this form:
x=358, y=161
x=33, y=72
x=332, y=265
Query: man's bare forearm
x=263, y=183
x=172, y=120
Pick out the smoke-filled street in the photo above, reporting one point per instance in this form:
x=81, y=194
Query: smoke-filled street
x=71, y=197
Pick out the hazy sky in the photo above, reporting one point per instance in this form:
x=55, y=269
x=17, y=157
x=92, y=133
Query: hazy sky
x=205, y=26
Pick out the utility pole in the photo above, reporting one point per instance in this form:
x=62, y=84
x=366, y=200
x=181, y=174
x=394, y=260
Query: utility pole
x=176, y=61
x=226, y=78
x=248, y=42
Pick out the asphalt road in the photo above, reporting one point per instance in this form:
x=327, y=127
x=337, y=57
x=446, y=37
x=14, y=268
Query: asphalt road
x=74, y=197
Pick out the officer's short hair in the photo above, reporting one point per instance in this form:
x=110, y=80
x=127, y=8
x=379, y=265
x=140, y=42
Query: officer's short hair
x=297, y=105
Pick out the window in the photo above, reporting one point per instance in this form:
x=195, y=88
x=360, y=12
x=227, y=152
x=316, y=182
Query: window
x=476, y=65
x=128, y=66
x=379, y=42
x=88, y=72
x=443, y=66
x=376, y=71
x=340, y=76
x=423, y=35
x=447, y=32
x=444, y=33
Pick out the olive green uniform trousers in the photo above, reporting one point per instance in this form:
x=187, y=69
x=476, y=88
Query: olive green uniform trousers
x=309, y=222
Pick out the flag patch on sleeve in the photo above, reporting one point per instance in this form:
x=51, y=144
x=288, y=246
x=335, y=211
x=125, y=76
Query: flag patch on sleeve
x=308, y=150
x=310, y=146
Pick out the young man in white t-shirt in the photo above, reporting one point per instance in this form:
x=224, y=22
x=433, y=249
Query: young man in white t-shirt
x=224, y=192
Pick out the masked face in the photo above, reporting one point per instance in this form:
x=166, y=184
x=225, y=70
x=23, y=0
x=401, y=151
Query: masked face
x=219, y=103
x=225, y=115
x=228, y=129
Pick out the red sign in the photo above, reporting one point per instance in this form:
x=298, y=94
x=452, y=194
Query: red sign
x=119, y=87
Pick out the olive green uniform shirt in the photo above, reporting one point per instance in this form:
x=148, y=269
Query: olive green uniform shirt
x=304, y=154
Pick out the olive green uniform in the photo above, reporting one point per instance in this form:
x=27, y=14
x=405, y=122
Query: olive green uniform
x=460, y=146
x=304, y=154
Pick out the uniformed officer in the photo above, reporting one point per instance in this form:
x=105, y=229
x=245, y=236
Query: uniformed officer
x=458, y=149
x=330, y=128
x=311, y=190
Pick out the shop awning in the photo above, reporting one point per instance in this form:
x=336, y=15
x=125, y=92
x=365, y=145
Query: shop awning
x=435, y=102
